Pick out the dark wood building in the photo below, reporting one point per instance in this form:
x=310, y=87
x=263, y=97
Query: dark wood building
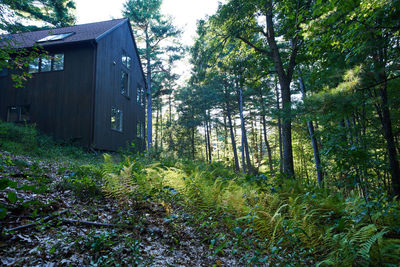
x=89, y=87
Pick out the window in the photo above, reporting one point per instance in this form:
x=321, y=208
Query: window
x=116, y=119
x=34, y=66
x=140, y=129
x=124, y=83
x=140, y=96
x=47, y=63
x=55, y=37
x=126, y=60
x=58, y=62
x=18, y=114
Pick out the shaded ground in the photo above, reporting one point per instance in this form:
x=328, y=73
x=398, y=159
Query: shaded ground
x=137, y=233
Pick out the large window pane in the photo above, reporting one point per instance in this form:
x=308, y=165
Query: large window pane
x=116, y=119
x=13, y=114
x=126, y=60
x=58, y=62
x=45, y=65
x=34, y=66
x=140, y=96
x=124, y=83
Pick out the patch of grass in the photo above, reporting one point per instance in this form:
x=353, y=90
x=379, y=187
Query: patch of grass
x=22, y=139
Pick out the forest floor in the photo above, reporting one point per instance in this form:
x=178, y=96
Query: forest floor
x=66, y=230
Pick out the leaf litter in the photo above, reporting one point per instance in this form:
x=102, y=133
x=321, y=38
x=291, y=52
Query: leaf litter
x=147, y=236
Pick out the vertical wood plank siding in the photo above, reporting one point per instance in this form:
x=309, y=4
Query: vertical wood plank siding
x=59, y=100
x=108, y=91
x=75, y=104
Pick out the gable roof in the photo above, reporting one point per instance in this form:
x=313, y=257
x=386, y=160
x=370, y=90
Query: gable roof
x=83, y=32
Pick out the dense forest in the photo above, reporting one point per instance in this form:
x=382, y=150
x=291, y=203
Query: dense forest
x=281, y=148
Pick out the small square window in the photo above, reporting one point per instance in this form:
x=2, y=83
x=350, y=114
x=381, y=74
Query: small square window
x=116, y=119
x=45, y=64
x=124, y=83
x=126, y=60
x=58, y=61
x=34, y=66
x=13, y=114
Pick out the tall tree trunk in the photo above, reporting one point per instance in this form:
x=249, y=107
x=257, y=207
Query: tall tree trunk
x=390, y=144
x=245, y=146
x=235, y=156
x=285, y=78
x=270, y=163
x=314, y=142
x=205, y=139
x=261, y=146
x=157, y=127
x=279, y=129
x=149, y=96
x=225, y=137
x=193, y=148
x=209, y=141
x=170, y=141
x=254, y=143
x=161, y=128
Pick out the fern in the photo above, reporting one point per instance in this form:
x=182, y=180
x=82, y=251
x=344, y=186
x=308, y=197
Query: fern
x=119, y=186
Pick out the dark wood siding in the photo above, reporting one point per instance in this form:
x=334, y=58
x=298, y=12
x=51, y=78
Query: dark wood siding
x=60, y=101
x=108, y=91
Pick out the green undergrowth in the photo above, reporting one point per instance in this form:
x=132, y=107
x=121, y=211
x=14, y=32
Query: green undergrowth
x=282, y=221
x=260, y=218
x=19, y=139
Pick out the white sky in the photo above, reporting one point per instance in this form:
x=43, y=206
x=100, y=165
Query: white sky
x=184, y=12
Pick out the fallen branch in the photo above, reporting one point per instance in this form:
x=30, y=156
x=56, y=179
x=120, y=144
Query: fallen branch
x=77, y=222
x=37, y=222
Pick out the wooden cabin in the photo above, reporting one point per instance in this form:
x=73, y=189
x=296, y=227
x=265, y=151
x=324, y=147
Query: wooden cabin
x=89, y=88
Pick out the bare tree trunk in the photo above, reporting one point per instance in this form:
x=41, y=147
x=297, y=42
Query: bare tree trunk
x=261, y=147
x=235, y=156
x=314, y=143
x=285, y=78
x=254, y=144
x=209, y=141
x=245, y=147
x=205, y=139
x=170, y=145
x=193, y=148
x=225, y=137
x=149, y=95
x=271, y=167
x=157, y=127
x=390, y=144
x=279, y=129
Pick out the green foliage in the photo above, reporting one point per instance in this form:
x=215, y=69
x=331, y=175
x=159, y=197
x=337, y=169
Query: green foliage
x=57, y=13
x=85, y=181
x=26, y=140
x=285, y=219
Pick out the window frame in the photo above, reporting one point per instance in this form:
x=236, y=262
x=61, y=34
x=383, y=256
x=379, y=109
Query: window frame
x=50, y=57
x=140, y=95
x=126, y=59
x=120, y=128
x=19, y=112
x=125, y=91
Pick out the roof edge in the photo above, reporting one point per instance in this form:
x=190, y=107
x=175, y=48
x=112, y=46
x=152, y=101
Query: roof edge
x=101, y=36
